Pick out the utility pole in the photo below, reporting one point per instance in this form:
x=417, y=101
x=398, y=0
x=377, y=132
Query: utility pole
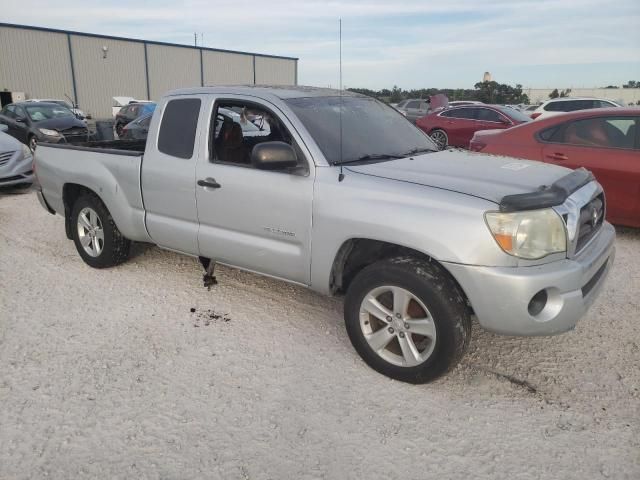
x=195, y=39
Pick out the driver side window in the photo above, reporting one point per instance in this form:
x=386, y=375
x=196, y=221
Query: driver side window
x=236, y=127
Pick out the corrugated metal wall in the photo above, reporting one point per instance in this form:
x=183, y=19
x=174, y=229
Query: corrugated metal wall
x=98, y=79
x=222, y=68
x=38, y=62
x=35, y=62
x=172, y=67
x=275, y=71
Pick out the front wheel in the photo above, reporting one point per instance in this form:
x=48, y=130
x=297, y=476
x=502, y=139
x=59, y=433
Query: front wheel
x=407, y=319
x=95, y=234
x=440, y=138
x=33, y=143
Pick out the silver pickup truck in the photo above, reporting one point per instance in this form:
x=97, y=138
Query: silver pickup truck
x=340, y=193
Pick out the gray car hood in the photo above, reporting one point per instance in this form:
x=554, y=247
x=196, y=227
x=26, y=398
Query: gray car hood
x=486, y=176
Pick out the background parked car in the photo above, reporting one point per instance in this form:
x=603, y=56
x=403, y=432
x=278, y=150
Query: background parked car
x=138, y=129
x=568, y=104
x=604, y=141
x=16, y=161
x=414, y=109
x=33, y=122
x=130, y=112
x=455, y=126
x=76, y=111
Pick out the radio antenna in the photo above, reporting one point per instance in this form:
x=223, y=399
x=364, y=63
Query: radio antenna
x=341, y=175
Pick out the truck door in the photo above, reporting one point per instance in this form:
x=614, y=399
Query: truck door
x=168, y=173
x=253, y=219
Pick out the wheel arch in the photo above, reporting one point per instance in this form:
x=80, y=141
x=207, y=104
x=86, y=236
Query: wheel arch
x=356, y=253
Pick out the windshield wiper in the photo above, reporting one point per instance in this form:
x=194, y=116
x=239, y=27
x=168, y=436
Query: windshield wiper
x=372, y=156
x=418, y=150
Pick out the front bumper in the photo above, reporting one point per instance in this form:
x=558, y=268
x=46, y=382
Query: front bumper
x=17, y=170
x=500, y=296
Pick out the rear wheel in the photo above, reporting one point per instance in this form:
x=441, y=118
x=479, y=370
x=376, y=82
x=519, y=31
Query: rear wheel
x=96, y=236
x=440, y=138
x=407, y=319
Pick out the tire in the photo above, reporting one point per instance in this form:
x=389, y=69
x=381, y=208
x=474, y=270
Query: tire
x=119, y=130
x=32, y=143
x=436, y=309
x=95, y=234
x=440, y=138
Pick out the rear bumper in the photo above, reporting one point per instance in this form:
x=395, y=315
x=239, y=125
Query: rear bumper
x=501, y=296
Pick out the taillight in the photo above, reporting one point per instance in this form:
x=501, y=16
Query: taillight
x=476, y=146
x=535, y=115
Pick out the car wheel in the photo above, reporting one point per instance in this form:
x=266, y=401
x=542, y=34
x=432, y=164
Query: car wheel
x=440, y=138
x=95, y=234
x=407, y=319
x=33, y=143
x=119, y=130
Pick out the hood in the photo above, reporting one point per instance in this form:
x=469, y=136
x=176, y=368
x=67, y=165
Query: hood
x=61, y=123
x=490, y=177
x=8, y=143
x=122, y=101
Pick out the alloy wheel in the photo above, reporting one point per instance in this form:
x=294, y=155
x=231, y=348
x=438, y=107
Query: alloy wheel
x=397, y=326
x=90, y=232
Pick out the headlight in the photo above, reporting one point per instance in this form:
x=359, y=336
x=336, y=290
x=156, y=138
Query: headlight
x=51, y=133
x=532, y=234
x=26, y=151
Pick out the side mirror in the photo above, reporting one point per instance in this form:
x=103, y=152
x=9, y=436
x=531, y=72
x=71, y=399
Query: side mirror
x=4, y=128
x=273, y=156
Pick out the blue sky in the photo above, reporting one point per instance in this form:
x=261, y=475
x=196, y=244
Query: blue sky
x=412, y=44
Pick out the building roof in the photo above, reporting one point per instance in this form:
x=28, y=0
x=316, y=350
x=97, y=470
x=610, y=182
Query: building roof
x=148, y=42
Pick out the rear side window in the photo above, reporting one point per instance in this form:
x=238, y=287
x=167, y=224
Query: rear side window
x=459, y=113
x=413, y=105
x=178, y=128
x=488, y=115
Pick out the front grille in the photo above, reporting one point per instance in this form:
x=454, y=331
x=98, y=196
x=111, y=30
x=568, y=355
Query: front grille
x=5, y=157
x=74, y=131
x=590, y=221
x=75, y=134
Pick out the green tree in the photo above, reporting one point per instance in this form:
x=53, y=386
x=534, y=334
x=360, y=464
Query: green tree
x=554, y=94
x=494, y=92
x=631, y=84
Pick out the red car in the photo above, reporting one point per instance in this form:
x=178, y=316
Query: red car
x=456, y=125
x=605, y=141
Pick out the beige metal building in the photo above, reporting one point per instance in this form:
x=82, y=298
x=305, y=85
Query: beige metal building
x=92, y=69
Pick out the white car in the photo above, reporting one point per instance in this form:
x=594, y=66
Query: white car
x=557, y=106
x=76, y=111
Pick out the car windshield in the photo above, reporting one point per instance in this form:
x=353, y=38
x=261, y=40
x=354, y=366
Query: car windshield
x=47, y=111
x=514, y=114
x=370, y=129
x=62, y=103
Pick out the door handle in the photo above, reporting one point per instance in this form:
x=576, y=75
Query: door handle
x=209, y=183
x=557, y=156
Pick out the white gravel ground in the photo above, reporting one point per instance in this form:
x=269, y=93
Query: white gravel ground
x=107, y=374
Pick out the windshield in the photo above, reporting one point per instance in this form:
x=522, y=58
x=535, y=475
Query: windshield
x=369, y=128
x=514, y=114
x=62, y=103
x=46, y=112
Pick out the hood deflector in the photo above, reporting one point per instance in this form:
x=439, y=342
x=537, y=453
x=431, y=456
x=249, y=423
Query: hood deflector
x=547, y=196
